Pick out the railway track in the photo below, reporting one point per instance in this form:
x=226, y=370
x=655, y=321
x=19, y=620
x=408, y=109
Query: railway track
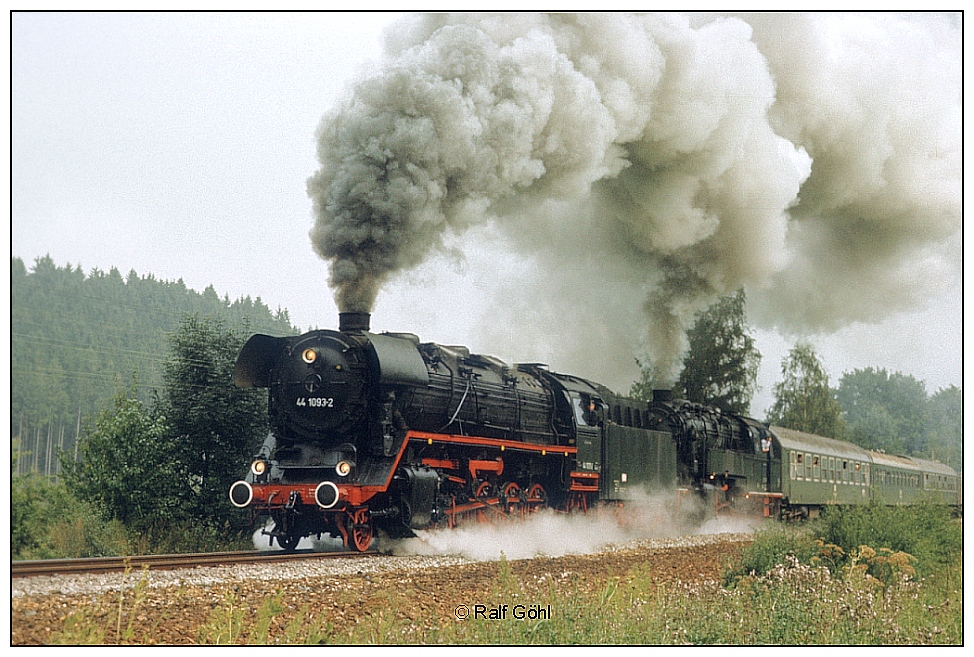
x=164, y=562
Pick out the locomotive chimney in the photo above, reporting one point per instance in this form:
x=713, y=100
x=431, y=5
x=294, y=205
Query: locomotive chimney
x=662, y=395
x=353, y=321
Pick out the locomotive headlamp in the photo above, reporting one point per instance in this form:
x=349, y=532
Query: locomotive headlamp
x=258, y=467
x=343, y=468
x=309, y=356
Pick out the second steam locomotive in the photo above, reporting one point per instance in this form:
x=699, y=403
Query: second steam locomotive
x=380, y=431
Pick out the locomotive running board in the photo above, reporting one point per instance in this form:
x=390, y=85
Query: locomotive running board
x=359, y=495
x=502, y=445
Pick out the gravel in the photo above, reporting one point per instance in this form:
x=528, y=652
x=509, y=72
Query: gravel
x=205, y=576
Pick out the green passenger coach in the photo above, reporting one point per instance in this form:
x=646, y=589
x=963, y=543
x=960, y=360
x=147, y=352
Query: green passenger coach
x=907, y=480
x=818, y=471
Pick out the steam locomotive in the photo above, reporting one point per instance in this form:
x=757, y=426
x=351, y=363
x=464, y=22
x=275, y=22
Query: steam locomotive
x=382, y=432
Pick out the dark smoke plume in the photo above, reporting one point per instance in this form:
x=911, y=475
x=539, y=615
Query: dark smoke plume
x=813, y=159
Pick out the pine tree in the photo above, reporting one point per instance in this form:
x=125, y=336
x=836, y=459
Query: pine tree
x=721, y=367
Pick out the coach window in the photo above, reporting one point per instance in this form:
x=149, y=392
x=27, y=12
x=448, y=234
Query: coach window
x=865, y=472
x=808, y=466
x=858, y=473
x=816, y=468
x=796, y=465
x=845, y=471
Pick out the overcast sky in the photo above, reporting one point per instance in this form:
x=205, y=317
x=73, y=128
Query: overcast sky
x=181, y=144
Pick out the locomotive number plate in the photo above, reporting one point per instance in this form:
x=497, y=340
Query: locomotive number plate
x=315, y=402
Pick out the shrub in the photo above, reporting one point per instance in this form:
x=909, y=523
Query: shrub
x=48, y=522
x=771, y=547
x=927, y=532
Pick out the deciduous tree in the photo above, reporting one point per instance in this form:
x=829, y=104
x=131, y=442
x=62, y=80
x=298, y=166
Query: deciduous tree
x=884, y=410
x=126, y=464
x=803, y=399
x=216, y=426
x=946, y=437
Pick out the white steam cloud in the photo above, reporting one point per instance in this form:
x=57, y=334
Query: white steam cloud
x=553, y=534
x=654, y=162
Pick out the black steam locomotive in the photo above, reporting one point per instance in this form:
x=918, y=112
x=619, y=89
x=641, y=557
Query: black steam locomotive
x=380, y=431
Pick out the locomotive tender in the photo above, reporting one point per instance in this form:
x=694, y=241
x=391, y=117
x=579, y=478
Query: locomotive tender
x=379, y=431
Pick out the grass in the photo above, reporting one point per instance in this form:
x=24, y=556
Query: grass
x=791, y=604
x=791, y=587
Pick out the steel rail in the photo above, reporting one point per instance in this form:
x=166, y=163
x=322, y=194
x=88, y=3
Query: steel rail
x=40, y=567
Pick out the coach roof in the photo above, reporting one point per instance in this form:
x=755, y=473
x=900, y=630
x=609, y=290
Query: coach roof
x=809, y=442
